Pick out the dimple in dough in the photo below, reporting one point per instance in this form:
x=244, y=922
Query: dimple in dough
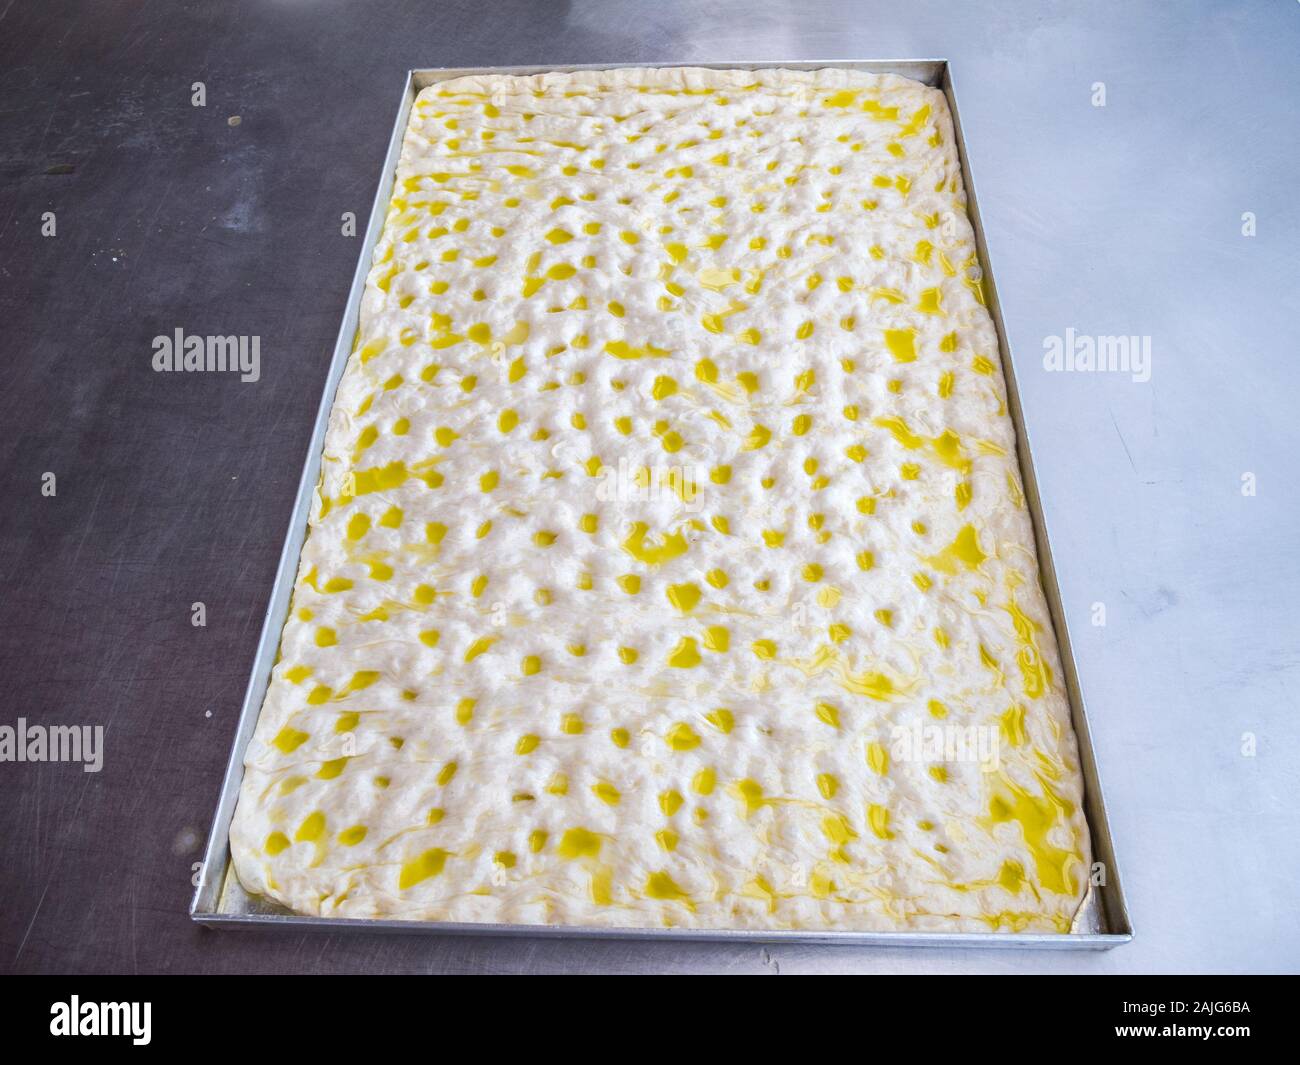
x=670, y=564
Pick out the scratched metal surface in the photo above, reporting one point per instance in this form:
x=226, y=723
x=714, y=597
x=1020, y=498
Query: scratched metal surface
x=176, y=489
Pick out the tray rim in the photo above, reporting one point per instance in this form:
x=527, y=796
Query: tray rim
x=217, y=868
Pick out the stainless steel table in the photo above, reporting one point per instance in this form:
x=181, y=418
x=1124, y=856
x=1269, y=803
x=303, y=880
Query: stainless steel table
x=1123, y=219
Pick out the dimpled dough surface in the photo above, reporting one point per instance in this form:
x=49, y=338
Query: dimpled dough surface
x=669, y=512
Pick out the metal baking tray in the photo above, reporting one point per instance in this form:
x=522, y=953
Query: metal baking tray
x=220, y=900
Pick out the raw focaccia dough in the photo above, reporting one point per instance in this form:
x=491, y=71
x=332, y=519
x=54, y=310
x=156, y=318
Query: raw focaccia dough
x=670, y=564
